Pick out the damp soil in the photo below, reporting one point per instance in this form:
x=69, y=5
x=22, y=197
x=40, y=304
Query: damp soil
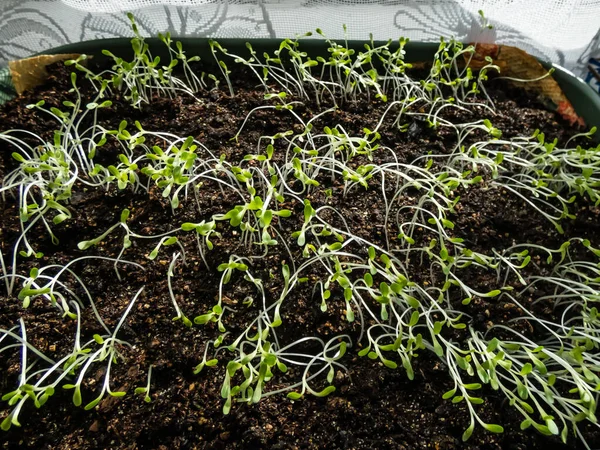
x=373, y=407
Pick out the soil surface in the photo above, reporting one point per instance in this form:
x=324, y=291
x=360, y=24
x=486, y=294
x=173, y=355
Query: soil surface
x=373, y=407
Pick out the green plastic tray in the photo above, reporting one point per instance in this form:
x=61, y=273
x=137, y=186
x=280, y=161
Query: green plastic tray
x=585, y=101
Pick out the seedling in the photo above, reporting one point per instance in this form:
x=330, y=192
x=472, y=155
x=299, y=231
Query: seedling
x=146, y=390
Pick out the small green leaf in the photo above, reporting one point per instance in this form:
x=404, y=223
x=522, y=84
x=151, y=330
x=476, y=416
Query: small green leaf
x=10, y=395
x=389, y=364
x=227, y=406
x=493, y=293
x=84, y=245
x=6, y=423
x=330, y=374
x=77, y=396
x=294, y=396
x=493, y=428
x=18, y=157
x=364, y=352
x=527, y=369
x=492, y=345
x=449, y=394
x=468, y=432
x=525, y=424
x=188, y=226
x=92, y=404
x=348, y=294
x=371, y=253
x=552, y=427
x=203, y=319
x=325, y=392
x=414, y=319
x=172, y=240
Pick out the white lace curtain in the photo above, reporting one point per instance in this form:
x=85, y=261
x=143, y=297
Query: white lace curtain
x=565, y=32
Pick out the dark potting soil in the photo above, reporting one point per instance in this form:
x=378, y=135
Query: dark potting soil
x=374, y=407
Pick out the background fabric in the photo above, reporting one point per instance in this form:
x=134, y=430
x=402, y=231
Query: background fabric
x=566, y=32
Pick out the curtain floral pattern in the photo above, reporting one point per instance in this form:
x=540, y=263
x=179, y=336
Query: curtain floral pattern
x=29, y=26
